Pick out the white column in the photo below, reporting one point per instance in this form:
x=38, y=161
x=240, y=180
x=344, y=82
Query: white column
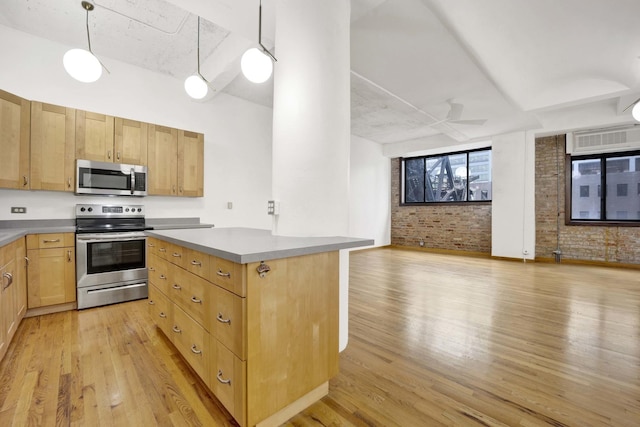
x=311, y=125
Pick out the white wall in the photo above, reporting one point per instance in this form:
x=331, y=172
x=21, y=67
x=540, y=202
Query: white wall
x=370, y=192
x=237, y=133
x=513, y=204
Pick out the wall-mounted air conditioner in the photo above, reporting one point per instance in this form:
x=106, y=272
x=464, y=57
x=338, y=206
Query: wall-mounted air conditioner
x=607, y=140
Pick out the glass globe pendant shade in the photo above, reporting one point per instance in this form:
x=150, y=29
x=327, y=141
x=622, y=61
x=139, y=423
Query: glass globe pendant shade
x=196, y=87
x=82, y=65
x=256, y=66
x=636, y=111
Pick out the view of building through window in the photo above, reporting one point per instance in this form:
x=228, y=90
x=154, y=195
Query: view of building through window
x=618, y=174
x=453, y=177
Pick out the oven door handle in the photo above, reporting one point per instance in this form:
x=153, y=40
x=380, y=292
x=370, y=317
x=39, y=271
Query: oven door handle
x=93, y=239
x=133, y=180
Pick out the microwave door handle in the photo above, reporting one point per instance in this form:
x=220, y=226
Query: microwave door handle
x=133, y=180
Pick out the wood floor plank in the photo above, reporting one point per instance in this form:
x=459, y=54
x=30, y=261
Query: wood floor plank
x=434, y=340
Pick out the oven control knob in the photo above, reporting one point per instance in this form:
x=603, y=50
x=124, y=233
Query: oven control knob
x=126, y=210
x=90, y=209
x=82, y=209
x=139, y=209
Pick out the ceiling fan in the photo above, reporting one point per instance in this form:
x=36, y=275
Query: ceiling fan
x=454, y=116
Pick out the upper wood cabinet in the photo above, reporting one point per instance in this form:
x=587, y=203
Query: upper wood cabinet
x=131, y=141
x=190, y=164
x=163, y=161
x=52, y=147
x=15, y=122
x=94, y=136
x=110, y=139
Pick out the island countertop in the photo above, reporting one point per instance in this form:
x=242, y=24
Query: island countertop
x=245, y=245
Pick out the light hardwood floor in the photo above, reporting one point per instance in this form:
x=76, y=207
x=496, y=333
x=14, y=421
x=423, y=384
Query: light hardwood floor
x=434, y=340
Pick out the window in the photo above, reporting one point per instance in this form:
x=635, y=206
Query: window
x=453, y=177
x=616, y=172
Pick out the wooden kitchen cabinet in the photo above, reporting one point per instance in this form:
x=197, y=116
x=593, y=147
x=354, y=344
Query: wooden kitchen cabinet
x=94, y=136
x=163, y=161
x=131, y=139
x=52, y=147
x=51, y=269
x=251, y=337
x=190, y=164
x=15, y=138
x=12, y=291
x=176, y=162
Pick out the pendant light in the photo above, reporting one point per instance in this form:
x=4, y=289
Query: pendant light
x=82, y=64
x=257, y=64
x=196, y=85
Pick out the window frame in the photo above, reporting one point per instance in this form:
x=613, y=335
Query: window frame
x=602, y=194
x=402, y=182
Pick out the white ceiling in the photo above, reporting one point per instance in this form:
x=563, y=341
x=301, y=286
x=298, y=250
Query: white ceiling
x=519, y=64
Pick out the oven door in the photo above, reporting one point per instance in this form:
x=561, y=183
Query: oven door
x=107, y=258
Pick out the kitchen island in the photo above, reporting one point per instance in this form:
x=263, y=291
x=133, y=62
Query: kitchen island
x=254, y=315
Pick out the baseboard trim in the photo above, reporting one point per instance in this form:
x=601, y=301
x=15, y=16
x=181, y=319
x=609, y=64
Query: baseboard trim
x=443, y=251
x=39, y=311
x=296, y=407
x=588, y=262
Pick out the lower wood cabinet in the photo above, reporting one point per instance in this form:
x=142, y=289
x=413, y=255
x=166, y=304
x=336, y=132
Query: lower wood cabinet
x=262, y=343
x=12, y=291
x=51, y=269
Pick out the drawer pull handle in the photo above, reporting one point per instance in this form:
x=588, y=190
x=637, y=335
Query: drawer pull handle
x=222, y=380
x=196, y=300
x=50, y=240
x=152, y=269
x=68, y=256
x=221, y=274
x=194, y=262
x=162, y=250
x=9, y=278
x=69, y=182
x=176, y=255
x=176, y=330
x=164, y=316
x=24, y=180
x=163, y=277
x=176, y=287
x=151, y=302
x=151, y=245
x=221, y=319
x=194, y=349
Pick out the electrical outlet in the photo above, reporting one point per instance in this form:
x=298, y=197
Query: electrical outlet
x=18, y=210
x=273, y=207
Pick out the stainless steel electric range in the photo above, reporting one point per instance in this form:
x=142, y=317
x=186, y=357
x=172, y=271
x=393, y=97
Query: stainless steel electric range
x=110, y=254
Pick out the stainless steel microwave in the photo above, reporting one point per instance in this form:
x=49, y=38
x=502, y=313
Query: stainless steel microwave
x=111, y=179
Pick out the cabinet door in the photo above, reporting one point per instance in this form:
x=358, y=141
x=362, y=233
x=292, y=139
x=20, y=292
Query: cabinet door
x=20, y=279
x=190, y=164
x=51, y=276
x=131, y=141
x=8, y=303
x=4, y=342
x=163, y=160
x=15, y=122
x=52, y=147
x=94, y=136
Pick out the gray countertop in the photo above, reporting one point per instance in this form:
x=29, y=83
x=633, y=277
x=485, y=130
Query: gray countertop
x=14, y=229
x=245, y=245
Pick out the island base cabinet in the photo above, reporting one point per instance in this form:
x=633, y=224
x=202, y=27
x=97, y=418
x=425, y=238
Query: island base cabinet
x=192, y=341
x=228, y=380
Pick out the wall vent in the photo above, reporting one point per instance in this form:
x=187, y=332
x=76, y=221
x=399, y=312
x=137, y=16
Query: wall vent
x=604, y=140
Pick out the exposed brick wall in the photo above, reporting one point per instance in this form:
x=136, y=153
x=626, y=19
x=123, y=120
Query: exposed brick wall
x=600, y=243
x=449, y=227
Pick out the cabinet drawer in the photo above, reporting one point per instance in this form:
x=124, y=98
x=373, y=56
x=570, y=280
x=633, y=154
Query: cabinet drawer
x=152, y=246
x=227, y=274
x=50, y=240
x=192, y=341
x=228, y=320
x=158, y=273
x=197, y=263
x=228, y=380
x=160, y=310
x=176, y=255
x=191, y=293
x=163, y=249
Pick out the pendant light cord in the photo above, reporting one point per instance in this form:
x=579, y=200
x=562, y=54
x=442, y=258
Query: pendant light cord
x=88, y=36
x=198, y=49
x=264, y=49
